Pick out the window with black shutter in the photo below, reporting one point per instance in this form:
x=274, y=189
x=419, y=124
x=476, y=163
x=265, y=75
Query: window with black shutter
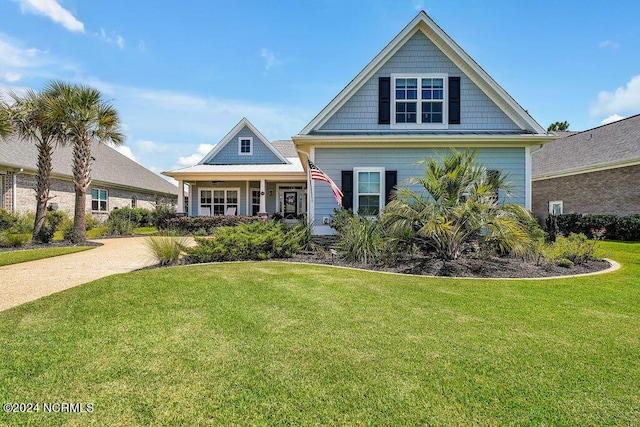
x=384, y=100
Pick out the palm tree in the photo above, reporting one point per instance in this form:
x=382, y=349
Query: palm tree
x=456, y=203
x=5, y=125
x=85, y=118
x=27, y=117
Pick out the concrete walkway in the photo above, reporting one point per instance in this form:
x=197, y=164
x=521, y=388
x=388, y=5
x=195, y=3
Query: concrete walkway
x=20, y=283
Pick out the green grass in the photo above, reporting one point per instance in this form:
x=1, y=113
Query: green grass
x=16, y=257
x=286, y=344
x=145, y=230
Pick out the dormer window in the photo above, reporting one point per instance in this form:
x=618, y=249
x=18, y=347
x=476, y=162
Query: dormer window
x=245, y=146
x=418, y=101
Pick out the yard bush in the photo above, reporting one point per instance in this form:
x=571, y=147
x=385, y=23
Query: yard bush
x=255, y=241
x=617, y=227
x=167, y=250
x=7, y=219
x=198, y=224
x=139, y=216
x=360, y=239
x=52, y=222
x=576, y=248
x=119, y=226
x=9, y=239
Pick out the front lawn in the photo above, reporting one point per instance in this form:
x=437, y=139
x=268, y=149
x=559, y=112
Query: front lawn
x=18, y=256
x=269, y=343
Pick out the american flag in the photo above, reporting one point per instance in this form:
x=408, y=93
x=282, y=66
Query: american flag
x=318, y=175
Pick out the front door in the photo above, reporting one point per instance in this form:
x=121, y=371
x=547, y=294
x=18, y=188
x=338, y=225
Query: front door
x=290, y=204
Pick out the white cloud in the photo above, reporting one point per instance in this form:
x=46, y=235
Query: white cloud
x=111, y=38
x=608, y=44
x=150, y=147
x=203, y=150
x=622, y=100
x=53, y=10
x=418, y=5
x=11, y=76
x=611, y=119
x=270, y=58
x=123, y=149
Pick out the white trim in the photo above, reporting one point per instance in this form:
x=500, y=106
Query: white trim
x=234, y=132
x=356, y=193
x=98, y=189
x=247, y=197
x=180, y=207
x=449, y=48
x=245, y=138
x=212, y=189
x=250, y=200
x=589, y=169
x=527, y=178
x=418, y=124
x=556, y=202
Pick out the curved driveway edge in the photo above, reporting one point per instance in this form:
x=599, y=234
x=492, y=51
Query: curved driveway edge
x=28, y=281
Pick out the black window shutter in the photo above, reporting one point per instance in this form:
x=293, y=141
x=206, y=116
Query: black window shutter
x=384, y=100
x=390, y=181
x=347, y=189
x=454, y=100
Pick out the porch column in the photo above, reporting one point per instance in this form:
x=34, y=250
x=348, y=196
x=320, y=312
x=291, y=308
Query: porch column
x=263, y=198
x=180, y=196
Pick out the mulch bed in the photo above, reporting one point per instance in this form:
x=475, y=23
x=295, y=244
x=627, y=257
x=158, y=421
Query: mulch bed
x=63, y=244
x=465, y=266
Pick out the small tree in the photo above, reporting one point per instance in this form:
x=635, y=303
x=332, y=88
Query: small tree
x=558, y=127
x=458, y=203
x=86, y=118
x=28, y=119
x=5, y=126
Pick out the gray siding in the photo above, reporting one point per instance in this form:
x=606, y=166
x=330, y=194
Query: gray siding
x=229, y=153
x=334, y=160
x=420, y=55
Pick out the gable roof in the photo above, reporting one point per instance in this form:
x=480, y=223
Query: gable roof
x=109, y=167
x=616, y=144
x=454, y=52
x=286, y=148
x=230, y=136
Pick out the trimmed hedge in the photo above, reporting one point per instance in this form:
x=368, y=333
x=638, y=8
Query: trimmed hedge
x=618, y=227
x=140, y=217
x=203, y=224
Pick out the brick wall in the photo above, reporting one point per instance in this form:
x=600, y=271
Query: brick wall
x=613, y=191
x=63, y=194
x=6, y=193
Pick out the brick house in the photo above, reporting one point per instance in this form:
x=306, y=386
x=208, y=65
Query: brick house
x=592, y=172
x=117, y=181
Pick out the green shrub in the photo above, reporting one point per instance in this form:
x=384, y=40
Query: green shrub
x=617, y=228
x=10, y=239
x=255, y=241
x=139, y=216
x=576, y=248
x=192, y=225
x=90, y=222
x=119, y=226
x=167, y=250
x=7, y=220
x=563, y=262
x=360, y=240
x=52, y=222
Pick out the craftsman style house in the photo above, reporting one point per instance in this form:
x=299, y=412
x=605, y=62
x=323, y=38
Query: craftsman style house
x=421, y=96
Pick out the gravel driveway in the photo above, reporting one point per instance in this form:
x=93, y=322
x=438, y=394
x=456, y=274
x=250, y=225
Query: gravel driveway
x=20, y=283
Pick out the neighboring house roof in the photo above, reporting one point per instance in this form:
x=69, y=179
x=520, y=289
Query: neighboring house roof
x=109, y=167
x=454, y=52
x=231, y=136
x=613, y=145
x=284, y=148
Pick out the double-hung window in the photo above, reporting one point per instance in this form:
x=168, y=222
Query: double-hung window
x=369, y=185
x=418, y=101
x=99, y=200
x=245, y=146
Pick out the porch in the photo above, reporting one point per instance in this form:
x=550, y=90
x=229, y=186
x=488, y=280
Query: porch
x=274, y=198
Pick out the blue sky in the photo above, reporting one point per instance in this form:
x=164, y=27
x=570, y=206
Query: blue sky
x=183, y=74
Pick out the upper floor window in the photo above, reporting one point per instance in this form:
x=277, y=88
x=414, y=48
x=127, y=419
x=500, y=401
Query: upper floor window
x=245, y=146
x=418, y=101
x=99, y=199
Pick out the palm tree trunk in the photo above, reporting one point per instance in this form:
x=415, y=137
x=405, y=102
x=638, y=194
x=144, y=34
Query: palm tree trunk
x=81, y=181
x=43, y=186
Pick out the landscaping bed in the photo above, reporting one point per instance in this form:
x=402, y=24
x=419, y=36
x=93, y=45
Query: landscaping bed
x=465, y=266
x=58, y=244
